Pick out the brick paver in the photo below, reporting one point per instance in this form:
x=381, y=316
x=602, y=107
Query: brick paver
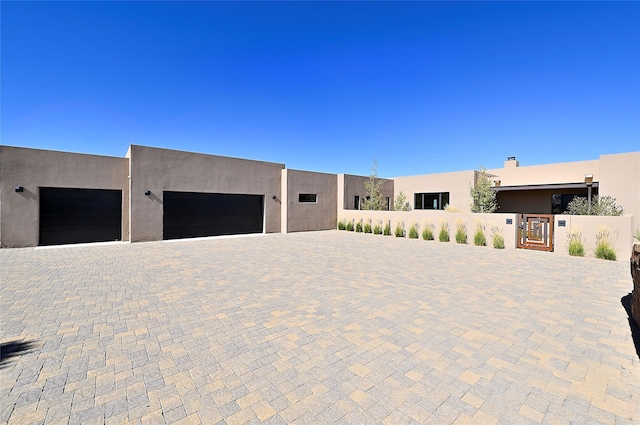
x=322, y=327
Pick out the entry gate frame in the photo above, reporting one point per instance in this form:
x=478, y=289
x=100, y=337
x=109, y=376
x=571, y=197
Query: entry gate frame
x=535, y=231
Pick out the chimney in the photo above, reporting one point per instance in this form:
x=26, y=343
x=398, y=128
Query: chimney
x=511, y=162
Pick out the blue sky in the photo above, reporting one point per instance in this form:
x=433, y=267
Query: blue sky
x=423, y=87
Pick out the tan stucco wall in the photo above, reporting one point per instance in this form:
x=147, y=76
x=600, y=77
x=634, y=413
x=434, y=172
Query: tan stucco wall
x=620, y=229
x=456, y=183
x=421, y=217
x=620, y=178
x=34, y=168
x=565, y=172
x=321, y=215
x=161, y=170
x=350, y=186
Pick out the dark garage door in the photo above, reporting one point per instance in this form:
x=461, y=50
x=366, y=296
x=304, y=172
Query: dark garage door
x=190, y=215
x=79, y=215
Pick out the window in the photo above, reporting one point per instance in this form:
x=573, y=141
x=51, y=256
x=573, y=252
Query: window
x=388, y=203
x=431, y=201
x=356, y=203
x=307, y=197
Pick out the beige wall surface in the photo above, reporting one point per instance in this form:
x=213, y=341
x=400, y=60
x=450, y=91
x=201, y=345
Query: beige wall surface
x=620, y=228
x=35, y=168
x=620, y=178
x=161, y=170
x=436, y=218
x=456, y=183
x=566, y=172
x=302, y=216
x=351, y=185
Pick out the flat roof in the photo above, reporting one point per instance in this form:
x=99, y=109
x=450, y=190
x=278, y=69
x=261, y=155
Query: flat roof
x=580, y=185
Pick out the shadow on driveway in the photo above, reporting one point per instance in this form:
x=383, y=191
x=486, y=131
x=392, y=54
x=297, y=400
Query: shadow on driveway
x=12, y=349
x=635, y=331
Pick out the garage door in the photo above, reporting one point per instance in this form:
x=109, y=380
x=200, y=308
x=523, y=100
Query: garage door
x=79, y=215
x=189, y=214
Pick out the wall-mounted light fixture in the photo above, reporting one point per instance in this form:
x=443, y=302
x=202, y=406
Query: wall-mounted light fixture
x=275, y=197
x=147, y=192
x=588, y=179
x=19, y=189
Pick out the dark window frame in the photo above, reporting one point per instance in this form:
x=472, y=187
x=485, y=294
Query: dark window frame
x=431, y=200
x=308, y=198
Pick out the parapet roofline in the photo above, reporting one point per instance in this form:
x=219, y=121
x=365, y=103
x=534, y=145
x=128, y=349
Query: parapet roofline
x=544, y=186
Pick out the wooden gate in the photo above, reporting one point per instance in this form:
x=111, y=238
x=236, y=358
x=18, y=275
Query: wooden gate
x=535, y=231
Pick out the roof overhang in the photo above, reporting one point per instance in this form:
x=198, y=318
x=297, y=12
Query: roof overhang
x=544, y=187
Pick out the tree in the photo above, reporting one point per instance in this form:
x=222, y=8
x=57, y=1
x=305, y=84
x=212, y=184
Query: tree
x=401, y=203
x=373, y=197
x=600, y=205
x=482, y=194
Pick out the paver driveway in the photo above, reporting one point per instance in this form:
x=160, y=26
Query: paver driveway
x=323, y=327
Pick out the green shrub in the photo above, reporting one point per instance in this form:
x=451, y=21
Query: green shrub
x=482, y=193
x=401, y=203
x=604, y=245
x=600, y=205
x=427, y=233
x=373, y=199
x=359, y=227
x=576, y=247
x=461, y=233
x=479, y=239
x=605, y=252
x=399, y=232
x=413, y=232
x=498, y=239
x=341, y=225
x=443, y=236
x=637, y=235
x=349, y=226
x=367, y=227
x=377, y=229
x=387, y=229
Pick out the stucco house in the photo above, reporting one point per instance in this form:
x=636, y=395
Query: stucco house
x=50, y=197
x=540, y=189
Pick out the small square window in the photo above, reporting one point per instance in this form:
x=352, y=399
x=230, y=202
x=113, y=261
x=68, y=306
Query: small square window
x=307, y=197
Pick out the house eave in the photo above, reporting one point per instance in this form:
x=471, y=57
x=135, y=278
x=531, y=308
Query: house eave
x=557, y=186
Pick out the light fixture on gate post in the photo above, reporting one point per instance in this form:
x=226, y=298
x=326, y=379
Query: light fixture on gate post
x=19, y=189
x=588, y=180
x=147, y=192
